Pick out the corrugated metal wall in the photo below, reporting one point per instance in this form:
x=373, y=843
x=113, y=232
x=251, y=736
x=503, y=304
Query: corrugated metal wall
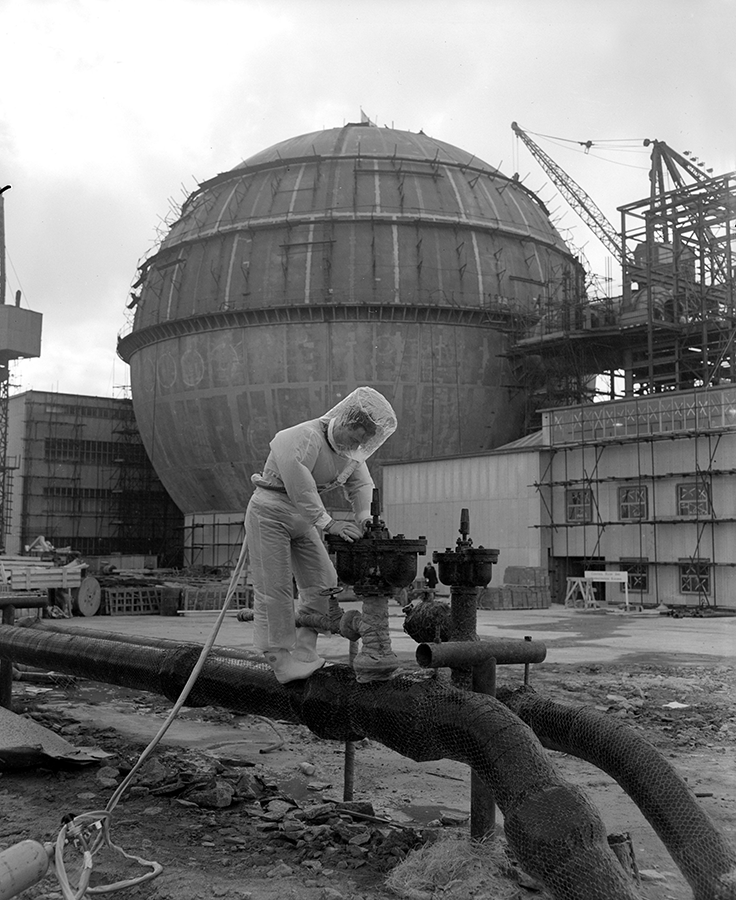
x=427, y=498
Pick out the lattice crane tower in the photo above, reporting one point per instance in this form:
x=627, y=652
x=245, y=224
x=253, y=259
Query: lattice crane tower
x=20, y=337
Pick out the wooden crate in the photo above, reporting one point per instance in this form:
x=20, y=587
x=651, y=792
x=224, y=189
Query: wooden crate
x=132, y=601
x=212, y=597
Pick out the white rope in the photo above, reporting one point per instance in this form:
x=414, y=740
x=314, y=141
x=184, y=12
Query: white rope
x=90, y=831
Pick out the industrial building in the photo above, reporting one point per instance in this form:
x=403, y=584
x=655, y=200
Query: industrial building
x=642, y=486
x=583, y=431
x=78, y=476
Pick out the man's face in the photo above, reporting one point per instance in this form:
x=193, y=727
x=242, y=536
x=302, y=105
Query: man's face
x=348, y=437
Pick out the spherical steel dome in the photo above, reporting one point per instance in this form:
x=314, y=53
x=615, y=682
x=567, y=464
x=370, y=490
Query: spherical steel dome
x=350, y=256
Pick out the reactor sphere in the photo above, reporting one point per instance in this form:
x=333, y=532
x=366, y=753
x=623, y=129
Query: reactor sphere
x=350, y=256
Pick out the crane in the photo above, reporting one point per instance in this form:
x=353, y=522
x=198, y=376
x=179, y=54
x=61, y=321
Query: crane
x=665, y=161
x=579, y=200
x=20, y=336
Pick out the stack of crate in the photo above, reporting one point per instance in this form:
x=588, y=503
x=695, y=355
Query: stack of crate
x=524, y=587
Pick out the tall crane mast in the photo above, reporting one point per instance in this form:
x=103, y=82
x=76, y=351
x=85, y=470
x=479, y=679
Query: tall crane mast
x=20, y=336
x=579, y=200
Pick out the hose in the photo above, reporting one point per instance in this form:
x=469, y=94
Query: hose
x=553, y=829
x=90, y=831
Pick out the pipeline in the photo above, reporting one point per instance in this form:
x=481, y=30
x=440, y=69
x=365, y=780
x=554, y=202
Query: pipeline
x=551, y=826
x=702, y=853
x=554, y=830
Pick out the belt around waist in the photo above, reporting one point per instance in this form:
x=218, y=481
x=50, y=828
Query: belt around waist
x=269, y=487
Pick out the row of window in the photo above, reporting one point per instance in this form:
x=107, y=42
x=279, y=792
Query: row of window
x=100, y=453
x=693, y=499
x=694, y=576
x=56, y=490
x=122, y=413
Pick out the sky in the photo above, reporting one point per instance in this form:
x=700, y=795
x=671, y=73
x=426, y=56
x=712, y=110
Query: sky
x=111, y=114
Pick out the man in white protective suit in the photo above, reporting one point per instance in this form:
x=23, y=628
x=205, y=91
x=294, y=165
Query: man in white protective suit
x=285, y=516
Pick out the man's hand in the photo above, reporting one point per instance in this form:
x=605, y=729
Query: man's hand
x=348, y=531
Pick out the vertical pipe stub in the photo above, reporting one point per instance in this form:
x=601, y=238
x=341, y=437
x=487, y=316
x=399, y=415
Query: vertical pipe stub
x=466, y=570
x=465, y=566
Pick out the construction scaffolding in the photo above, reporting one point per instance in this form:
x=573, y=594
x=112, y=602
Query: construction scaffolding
x=84, y=481
x=145, y=520
x=673, y=326
x=213, y=541
x=679, y=280
x=640, y=484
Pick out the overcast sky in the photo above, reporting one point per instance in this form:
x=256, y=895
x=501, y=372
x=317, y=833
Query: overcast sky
x=111, y=112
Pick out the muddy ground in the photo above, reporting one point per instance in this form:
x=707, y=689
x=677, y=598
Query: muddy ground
x=238, y=807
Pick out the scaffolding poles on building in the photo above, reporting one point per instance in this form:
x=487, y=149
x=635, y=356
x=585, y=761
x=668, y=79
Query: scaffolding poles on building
x=20, y=336
x=599, y=480
x=87, y=482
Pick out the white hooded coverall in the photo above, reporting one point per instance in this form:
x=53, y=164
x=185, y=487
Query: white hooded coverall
x=286, y=511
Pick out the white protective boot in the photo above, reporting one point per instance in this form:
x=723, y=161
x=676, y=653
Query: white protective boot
x=306, y=645
x=286, y=668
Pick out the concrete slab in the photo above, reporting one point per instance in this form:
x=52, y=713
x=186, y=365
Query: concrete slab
x=25, y=743
x=572, y=636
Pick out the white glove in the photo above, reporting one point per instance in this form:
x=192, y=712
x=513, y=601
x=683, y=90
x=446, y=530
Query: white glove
x=348, y=531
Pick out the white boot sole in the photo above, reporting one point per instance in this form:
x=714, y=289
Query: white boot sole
x=298, y=671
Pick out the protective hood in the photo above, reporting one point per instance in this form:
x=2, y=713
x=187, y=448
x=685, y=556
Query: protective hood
x=366, y=408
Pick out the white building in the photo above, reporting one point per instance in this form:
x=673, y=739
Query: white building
x=645, y=485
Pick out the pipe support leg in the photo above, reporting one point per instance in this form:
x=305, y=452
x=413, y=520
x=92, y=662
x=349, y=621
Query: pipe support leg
x=376, y=660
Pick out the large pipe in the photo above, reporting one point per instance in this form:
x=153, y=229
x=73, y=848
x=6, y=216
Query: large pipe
x=702, y=853
x=551, y=826
x=401, y=714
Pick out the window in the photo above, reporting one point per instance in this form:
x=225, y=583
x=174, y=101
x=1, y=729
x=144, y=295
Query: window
x=100, y=453
x=638, y=572
x=579, y=503
x=693, y=499
x=632, y=503
x=694, y=576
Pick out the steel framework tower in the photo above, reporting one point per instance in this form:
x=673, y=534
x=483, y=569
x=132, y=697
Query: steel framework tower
x=20, y=336
x=674, y=326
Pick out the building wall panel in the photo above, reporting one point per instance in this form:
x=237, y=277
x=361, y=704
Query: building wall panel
x=427, y=498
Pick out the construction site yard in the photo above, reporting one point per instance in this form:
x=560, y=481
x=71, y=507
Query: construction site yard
x=244, y=808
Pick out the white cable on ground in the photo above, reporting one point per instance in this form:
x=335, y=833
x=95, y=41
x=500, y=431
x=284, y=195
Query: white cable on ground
x=90, y=831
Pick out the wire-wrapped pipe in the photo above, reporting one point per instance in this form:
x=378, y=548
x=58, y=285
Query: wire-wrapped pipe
x=701, y=852
x=551, y=826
